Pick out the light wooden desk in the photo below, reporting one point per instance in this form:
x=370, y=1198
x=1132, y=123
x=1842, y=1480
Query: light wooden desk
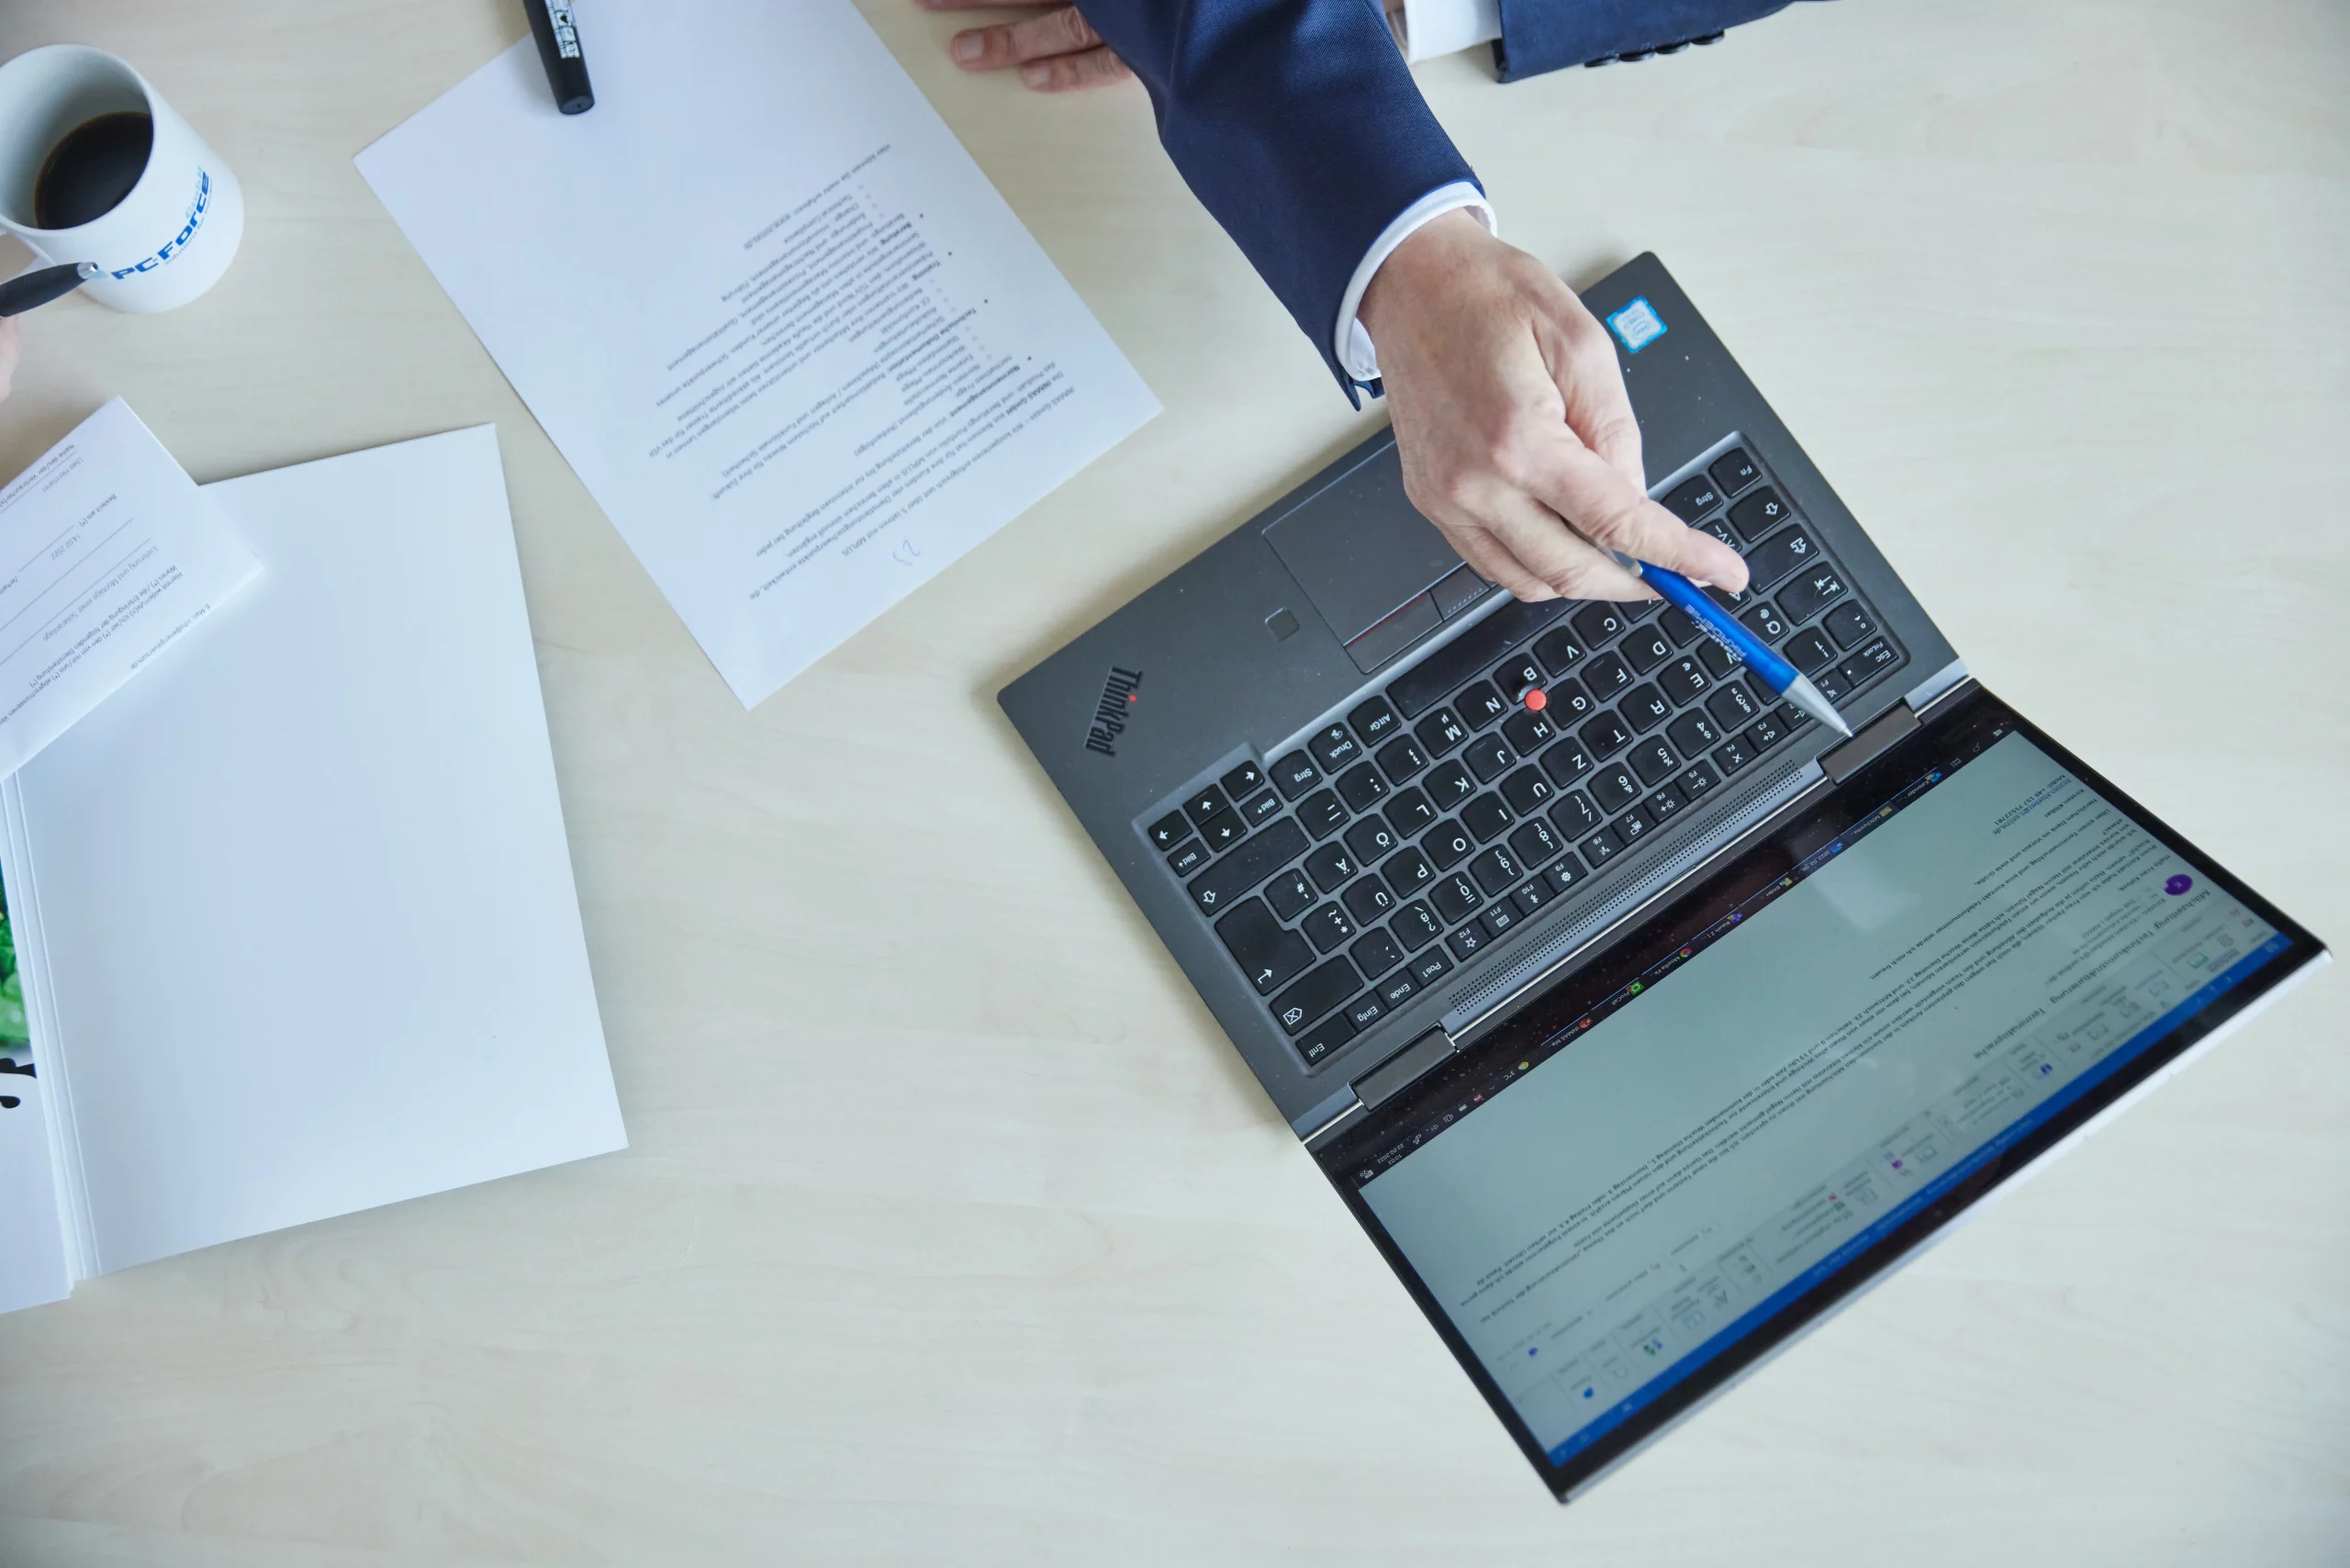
x=953, y=1230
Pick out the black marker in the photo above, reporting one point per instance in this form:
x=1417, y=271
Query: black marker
x=558, y=38
x=19, y=295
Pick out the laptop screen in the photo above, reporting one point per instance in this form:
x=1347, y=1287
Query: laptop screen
x=1811, y=1063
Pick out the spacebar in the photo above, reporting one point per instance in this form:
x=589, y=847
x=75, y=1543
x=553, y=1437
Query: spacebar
x=1470, y=655
x=1220, y=885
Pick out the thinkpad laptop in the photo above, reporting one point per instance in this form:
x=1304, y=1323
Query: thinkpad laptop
x=1643, y=1025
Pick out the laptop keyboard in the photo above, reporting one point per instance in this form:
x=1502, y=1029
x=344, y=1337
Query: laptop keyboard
x=1413, y=834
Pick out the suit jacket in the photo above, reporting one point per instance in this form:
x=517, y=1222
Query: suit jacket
x=1298, y=126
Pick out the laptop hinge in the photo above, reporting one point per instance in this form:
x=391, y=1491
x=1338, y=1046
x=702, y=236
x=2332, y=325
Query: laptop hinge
x=1406, y=1066
x=1875, y=739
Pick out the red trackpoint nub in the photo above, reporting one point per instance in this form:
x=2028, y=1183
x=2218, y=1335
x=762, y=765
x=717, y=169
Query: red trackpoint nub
x=1535, y=700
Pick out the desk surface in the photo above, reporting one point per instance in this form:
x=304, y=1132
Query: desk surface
x=953, y=1230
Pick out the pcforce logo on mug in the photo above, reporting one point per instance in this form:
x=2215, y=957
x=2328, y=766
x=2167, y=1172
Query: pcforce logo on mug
x=195, y=211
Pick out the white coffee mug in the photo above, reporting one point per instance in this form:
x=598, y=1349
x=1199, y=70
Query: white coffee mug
x=166, y=241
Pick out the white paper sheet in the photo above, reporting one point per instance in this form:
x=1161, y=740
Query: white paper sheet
x=108, y=553
x=298, y=904
x=794, y=343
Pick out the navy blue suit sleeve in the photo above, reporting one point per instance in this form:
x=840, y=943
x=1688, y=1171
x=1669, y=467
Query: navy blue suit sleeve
x=1297, y=125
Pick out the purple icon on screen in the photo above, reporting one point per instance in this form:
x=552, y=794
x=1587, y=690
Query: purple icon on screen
x=2179, y=885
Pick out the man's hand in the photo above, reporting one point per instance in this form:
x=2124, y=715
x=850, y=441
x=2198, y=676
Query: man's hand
x=1056, y=51
x=8, y=353
x=1516, y=436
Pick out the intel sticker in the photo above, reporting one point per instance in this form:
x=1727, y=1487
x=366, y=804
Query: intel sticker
x=1637, y=324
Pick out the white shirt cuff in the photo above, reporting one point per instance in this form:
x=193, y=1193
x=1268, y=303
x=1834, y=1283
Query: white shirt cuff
x=1356, y=355
x=1427, y=29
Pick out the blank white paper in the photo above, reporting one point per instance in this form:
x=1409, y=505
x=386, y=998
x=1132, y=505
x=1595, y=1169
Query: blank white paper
x=300, y=900
x=793, y=342
x=107, y=555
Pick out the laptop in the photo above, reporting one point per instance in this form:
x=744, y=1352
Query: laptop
x=1643, y=1024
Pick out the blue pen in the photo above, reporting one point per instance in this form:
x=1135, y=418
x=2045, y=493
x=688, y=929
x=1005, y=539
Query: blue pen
x=1723, y=627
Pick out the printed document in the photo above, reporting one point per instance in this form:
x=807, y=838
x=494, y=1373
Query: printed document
x=108, y=552
x=793, y=342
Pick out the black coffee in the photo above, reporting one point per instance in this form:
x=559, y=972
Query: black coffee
x=87, y=174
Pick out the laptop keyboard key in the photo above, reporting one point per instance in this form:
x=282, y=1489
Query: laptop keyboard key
x=1204, y=804
x=1733, y=471
x=1684, y=681
x=1409, y=814
x=1765, y=733
x=1269, y=955
x=1374, y=721
x=1221, y=885
x=1455, y=896
x=1187, y=858
x=1833, y=684
x=1498, y=918
x=1564, y=875
x=1732, y=707
x=1487, y=818
x=1661, y=804
x=1369, y=901
x=1653, y=760
x=1416, y=925
x=1242, y=780
x=1466, y=940
x=1375, y=953
x=1734, y=754
x=1869, y=660
x=1809, y=652
x=1480, y=704
x=1332, y=867
x=1815, y=586
x=1335, y=747
x=1529, y=732
x=1222, y=831
x=1326, y=1038
x=1326, y=928
x=1426, y=967
x=1518, y=675
x=1606, y=736
x=1777, y=555
x=1409, y=872
x=1615, y=787
x=1371, y=841
x=1602, y=847
x=1294, y=775
x=1290, y=893
x=1526, y=790
x=1644, y=708
x=1559, y=650
x=1595, y=623
x=1322, y=814
x=1646, y=648
x=1260, y=808
x=1440, y=732
x=1567, y=763
x=1170, y=831
x=1361, y=787
x=1535, y=842
x=1630, y=827
x=1448, y=846
x=1488, y=757
x=1759, y=513
x=1764, y=622
x=1718, y=661
x=1697, y=780
x=1575, y=815
x=1319, y=991
x=1496, y=868
x=1448, y=784
x=1397, y=988
x=1401, y=759
x=1570, y=703
x=1693, y=732
x=1364, y=1010
x=1848, y=623
x=1606, y=676
x=1692, y=498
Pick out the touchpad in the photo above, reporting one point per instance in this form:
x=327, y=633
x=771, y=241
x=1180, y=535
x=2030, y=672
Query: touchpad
x=1358, y=547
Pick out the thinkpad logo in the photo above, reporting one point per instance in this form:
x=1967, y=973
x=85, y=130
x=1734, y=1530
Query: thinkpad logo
x=1118, y=697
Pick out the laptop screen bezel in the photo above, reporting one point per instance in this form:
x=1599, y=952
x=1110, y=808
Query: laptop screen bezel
x=1970, y=721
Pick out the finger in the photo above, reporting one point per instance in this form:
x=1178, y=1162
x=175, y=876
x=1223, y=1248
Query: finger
x=1095, y=67
x=1015, y=43
x=1599, y=411
x=1615, y=514
x=1542, y=542
x=1496, y=565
